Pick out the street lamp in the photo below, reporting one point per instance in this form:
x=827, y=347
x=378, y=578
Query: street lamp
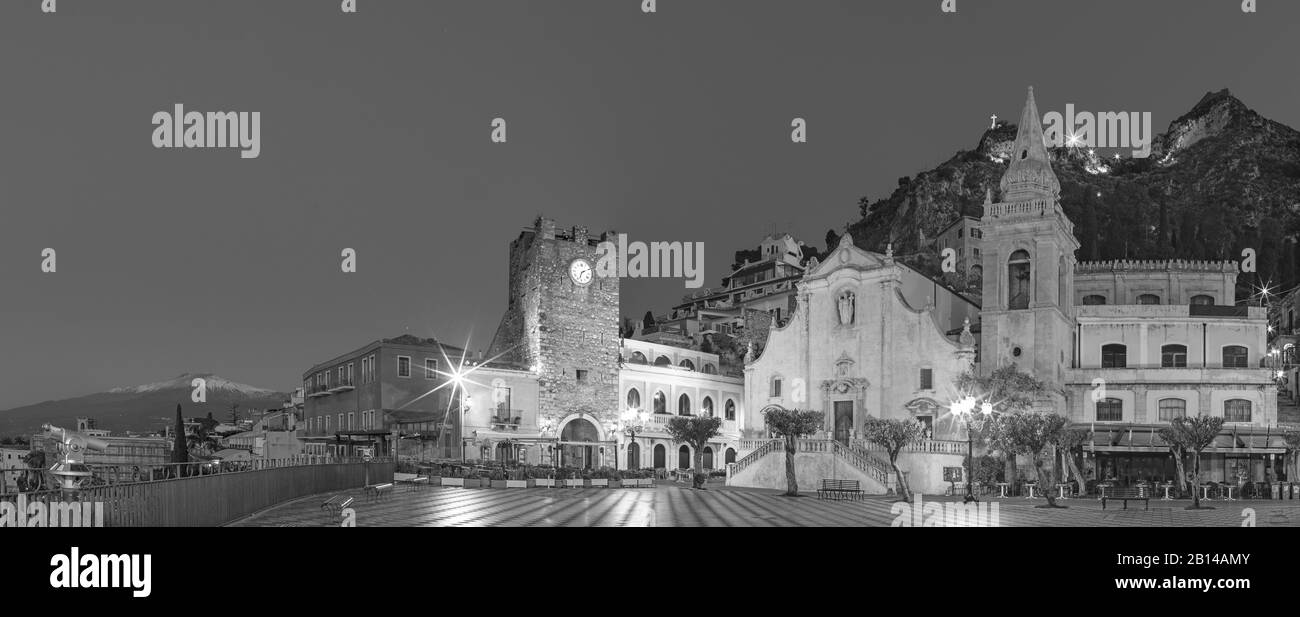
x=632, y=421
x=974, y=413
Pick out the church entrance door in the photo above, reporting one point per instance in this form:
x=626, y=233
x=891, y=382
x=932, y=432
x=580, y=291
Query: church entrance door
x=843, y=421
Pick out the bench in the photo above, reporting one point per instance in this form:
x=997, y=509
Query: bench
x=839, y=488
x=335, y=505
x=379, y=491
x=1126, y=494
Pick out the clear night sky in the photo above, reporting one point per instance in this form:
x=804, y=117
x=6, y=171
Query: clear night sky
x=375, y=136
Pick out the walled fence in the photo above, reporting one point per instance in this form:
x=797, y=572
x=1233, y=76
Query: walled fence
x=219, y=498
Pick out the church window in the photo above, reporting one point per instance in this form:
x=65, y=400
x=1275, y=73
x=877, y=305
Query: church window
x=1234, y=356
x=1114, y=355
x=1110, y=410
x=927, y=379
x=1173, y=356
x=776, y=387
x=1018, y=281
x=1148, y=299
x=1094, y=299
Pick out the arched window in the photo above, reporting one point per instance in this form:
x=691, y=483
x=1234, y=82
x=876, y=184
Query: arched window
x=1114, y=355
x=708, y=406
x=729, y=410
x=633, y=456
x=1203, y=299
x=638, y=358
x=1171, y=408
x=709, y=369
x=663, y=361
x=1173, y=356
x=683, y=405
x=1148, y=299
x=1110, y=410
x=661, y=456
x=708, y=457
x=1018, y=281
x=661, y=403
x=1236, y=410
x=1235, y=356
x=683, y=457
x=729, y=456
x=580, y=430
x=1094, y=299
x=687, y=364
x=633, y=399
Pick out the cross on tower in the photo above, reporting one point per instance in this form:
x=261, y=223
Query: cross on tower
x=994, y=124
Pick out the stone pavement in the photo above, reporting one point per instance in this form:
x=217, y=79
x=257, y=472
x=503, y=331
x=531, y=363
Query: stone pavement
x=676, y=506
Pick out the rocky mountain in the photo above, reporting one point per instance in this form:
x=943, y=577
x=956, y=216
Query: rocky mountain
x=142, y=409
x=1220, y=179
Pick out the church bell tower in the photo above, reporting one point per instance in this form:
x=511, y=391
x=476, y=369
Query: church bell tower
x=1028, y=259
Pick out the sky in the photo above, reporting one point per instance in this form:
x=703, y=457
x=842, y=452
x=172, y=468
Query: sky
x=375, y=135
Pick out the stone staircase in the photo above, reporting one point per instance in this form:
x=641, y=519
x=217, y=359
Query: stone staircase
x=764, y=466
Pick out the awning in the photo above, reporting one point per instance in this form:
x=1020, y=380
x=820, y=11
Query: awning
x=407, y=416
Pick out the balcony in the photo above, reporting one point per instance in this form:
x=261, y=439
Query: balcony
x=345, y=386
x=318, y=391
x=507, y=420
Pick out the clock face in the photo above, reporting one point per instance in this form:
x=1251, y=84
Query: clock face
x=581, y=272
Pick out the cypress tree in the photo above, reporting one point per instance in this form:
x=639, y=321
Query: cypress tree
x=179, y=452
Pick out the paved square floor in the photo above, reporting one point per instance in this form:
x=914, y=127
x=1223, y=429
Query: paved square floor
x=677, y=506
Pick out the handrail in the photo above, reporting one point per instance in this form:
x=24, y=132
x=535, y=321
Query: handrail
x=763, y=450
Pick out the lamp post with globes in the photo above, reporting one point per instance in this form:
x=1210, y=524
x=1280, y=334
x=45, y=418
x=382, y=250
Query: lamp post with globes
x=632, y=421
x=974, y=413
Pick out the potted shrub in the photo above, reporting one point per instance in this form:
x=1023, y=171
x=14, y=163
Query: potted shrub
x=544, y=477
x=472, y=479
x=615, y=478
x=599, y=479
x=572, y=479
x=518, y=478
x=498, y=479
x=453, y=478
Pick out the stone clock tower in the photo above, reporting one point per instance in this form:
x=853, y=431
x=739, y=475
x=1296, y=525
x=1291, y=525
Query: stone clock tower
x=564, y=325
x=1028, y=259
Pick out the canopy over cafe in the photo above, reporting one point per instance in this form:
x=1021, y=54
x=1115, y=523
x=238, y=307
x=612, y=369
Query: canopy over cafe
x=578, y=445
x=1132, y=453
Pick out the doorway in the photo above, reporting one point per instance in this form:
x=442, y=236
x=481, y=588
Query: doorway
x=683, y=458
x=633, y=456
x=843, y=421
x=661, y=456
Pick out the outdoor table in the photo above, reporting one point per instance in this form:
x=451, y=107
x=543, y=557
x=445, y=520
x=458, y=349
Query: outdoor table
x=1229, y=497
x=1061, y=487
x=1142, y=488
x=1002, y=486
x=1031, y=486
x=1205, y=491
x=1167, y=487
x=1101, y=488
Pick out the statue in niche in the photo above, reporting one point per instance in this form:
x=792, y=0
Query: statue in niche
x=848, y=308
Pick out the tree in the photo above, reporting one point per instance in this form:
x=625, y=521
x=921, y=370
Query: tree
x=695, y=431
x=1194, y=435
x=1176, y=450
x=1292, y=439
x=893, y=435
x=1030, y=434
x=34, y=479
x=791, y=424
x=180, y=449
x=1067, y=442
x=648, y=321
x=1012, y=391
